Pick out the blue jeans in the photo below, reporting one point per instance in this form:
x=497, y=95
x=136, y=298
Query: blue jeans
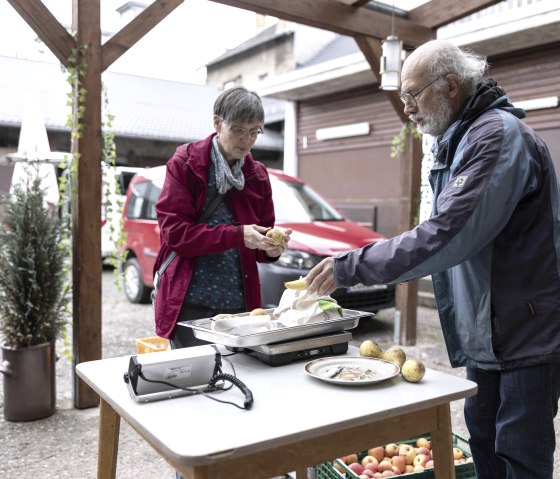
x=510, y=421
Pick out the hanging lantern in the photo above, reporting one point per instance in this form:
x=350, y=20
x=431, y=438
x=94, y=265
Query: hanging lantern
x=391, y=63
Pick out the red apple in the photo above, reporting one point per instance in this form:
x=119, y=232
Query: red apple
x=356, y=467
x=396, y=470
x=420, y=460
x=387, y=474
x=373, y=467
x=385, y=465
x=368, y=460
x=457, y=453
x=423, y=442
x=350, y=459
x=391, y=450
x=424, y=450
x=429, y=464
x=408, y=452
x=399, y=463
x=377, y=452
x=367, y=473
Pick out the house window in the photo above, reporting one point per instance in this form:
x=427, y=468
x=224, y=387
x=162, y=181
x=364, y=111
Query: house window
x=233, y=82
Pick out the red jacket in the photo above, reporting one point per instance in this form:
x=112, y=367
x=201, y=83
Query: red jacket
x=181, y=203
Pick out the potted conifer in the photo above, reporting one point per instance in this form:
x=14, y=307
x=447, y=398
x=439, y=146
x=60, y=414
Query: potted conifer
x=33, y=301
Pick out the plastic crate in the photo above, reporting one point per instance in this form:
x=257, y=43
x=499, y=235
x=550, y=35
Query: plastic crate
x=151, y=345
x=462, y=471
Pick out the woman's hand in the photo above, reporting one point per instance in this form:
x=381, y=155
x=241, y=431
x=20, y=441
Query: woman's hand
x=321, y=278
x=255, y=238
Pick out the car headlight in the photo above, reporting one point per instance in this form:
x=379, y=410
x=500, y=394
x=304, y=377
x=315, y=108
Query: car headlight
x=293, y=258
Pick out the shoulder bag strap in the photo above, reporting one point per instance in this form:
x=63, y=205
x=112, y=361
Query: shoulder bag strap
x=171, y=256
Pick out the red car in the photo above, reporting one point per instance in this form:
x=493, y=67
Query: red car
x=319, y=230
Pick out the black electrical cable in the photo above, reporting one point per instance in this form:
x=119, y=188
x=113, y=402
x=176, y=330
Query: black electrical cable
x=219, y=376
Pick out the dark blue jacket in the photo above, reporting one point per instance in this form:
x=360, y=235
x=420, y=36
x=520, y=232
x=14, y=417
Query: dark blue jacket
x=492, y=244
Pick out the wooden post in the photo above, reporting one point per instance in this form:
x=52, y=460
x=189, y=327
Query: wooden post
x=86, y=204
x=406, y=300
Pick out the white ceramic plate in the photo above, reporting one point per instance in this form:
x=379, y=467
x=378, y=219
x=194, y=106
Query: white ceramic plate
x=352, y=371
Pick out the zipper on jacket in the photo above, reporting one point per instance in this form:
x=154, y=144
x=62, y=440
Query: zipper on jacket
x=531, y=307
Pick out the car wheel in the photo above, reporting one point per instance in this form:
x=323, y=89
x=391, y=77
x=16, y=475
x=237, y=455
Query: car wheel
x=134, y=288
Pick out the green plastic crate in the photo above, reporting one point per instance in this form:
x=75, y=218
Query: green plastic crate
x=462, y=471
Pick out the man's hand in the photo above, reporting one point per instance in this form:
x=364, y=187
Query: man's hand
x=321, y=279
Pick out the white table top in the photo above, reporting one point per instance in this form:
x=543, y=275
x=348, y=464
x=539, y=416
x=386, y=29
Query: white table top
x=289, y=405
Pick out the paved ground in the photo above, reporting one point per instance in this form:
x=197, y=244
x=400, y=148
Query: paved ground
x=65, y=445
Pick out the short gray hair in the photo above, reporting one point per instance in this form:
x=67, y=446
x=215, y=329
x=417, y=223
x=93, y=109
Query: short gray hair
x=239, y=105
x=470, y=67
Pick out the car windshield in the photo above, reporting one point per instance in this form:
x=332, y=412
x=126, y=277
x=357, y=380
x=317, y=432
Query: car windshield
x=296, y=202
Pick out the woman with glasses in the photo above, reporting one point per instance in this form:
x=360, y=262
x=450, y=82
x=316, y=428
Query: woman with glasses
x=214, y=210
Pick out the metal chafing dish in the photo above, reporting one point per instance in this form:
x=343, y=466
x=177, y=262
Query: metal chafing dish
x=284, y=344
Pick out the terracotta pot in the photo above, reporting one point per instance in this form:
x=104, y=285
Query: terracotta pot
x=29, y=382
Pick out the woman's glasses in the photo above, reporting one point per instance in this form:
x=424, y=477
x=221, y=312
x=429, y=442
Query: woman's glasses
x=242, y=132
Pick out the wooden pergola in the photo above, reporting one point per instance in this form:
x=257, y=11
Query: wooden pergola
x=355, y=18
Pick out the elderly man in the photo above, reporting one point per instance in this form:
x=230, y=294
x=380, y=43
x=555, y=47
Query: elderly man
x=492, y=246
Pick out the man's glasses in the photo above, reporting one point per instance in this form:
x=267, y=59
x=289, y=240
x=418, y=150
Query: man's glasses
x=410, y=98
x=242, y=132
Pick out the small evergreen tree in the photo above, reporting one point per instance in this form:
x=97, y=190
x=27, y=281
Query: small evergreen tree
x=33, y=274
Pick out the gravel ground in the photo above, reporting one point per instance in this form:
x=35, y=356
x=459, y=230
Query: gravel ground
x=65, y=444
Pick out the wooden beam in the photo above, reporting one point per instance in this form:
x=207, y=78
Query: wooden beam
x=436, y=13
x=371, y=48
x=406, y=298
x=119, y=43
x=47, y=28
x=86, y=205
x=354, y=3
x=337, y=17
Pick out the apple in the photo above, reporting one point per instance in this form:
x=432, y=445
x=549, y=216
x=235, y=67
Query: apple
x=408, y=452
x=429, y=464
x=377, y=452
x=457, y=453
x=367, y=473
x=356, y=468
x=338, y=467
x=385, y=465
x=350, y=459
x=418, y=468
x=396, y=355
x=373, y=467
x=399, y=462
x=391, y=450
x=387, y=474
x=276, y=235
x=424, y=450
x=396, y=470
x=409, y=469
x=423, y=442
x=370, y=349
x=420, y=460
x=413, y=370
x=369, y=459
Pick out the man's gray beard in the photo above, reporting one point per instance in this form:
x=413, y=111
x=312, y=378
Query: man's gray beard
x=437, y=122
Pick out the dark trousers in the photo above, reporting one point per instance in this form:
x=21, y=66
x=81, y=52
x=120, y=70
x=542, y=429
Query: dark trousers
x=184, y=337
x=510, y=421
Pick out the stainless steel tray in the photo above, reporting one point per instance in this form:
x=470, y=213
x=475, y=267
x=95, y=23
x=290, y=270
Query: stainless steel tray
x=202, y=329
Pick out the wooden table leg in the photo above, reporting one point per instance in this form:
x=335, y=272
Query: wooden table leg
x=109, y=428
x=442, y=445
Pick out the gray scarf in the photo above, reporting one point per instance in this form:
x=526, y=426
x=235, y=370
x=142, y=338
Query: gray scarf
x=226, y=177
